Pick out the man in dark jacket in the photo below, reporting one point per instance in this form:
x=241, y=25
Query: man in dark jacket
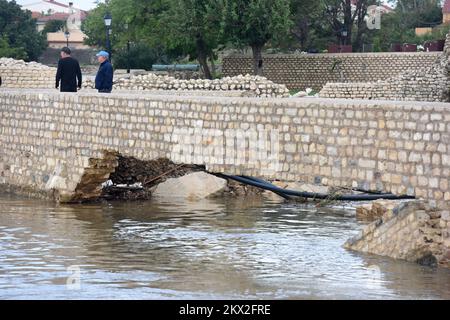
x=68, y=72
x=105, y=74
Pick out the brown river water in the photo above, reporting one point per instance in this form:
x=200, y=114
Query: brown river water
x=209, y=249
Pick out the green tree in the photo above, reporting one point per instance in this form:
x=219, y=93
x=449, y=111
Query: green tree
x=418, y=13
x=137, y=21
x=8, y=52
x=54, y=26
x=140, y=56
x=346, y=20
x=399, y=26
x=94, y=27
x=19, y=30
x=194, y=28
x=256, y=22
x=306, y=20
x=175, y=27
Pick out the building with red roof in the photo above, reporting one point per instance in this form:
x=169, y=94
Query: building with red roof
x=42, y=19
x=48, y=10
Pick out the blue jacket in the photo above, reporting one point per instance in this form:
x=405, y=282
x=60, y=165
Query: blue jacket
x=104, y=78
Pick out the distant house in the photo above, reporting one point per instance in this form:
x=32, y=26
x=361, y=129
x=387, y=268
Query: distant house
x=46, y=6
x=445, y=20
x=446, y=12
x=42, y=19
x=48, y=10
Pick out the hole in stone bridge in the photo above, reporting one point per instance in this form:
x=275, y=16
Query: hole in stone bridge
x=118, y=177
x=133, y=179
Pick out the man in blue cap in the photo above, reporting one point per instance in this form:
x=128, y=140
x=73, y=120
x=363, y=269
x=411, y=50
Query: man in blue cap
x=104, y=78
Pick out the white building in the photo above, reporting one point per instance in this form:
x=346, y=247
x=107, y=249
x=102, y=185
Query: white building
x=47, y=10
x=48, y=6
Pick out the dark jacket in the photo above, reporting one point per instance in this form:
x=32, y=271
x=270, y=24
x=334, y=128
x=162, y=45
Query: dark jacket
x=104, y=78
x=68, y=73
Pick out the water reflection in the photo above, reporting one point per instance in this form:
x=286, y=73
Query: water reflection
x=221, y=248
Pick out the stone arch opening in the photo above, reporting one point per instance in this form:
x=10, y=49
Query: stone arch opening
x=124, y=178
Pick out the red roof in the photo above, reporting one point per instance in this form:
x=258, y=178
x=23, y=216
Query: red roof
x=55, y=16
x=446, y=8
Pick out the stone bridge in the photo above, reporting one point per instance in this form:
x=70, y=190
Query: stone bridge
x=66, y=145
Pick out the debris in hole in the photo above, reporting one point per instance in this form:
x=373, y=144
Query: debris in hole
x=134, y=179
x=238, y=189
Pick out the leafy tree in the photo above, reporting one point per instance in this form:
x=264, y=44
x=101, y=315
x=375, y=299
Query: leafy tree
x=344, y=19
x=418, y=13
x=194, y=28
x=399, y=26
x=177, y=27
x=137, y=21
x=54, y=26
x=140, y=56
x=19, y=30
x=256, y=22
x=7, y=51
x=94, y=27
x=306, y=21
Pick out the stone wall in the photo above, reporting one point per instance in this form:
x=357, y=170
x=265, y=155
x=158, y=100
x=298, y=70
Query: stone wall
x=316, y=70
x=429, y=83
x=84, y=56
x=410, y=231
x=432, y=84
x=426, y=86
x=48, y=140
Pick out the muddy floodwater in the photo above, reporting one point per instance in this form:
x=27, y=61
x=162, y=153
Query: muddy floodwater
x=210, y=249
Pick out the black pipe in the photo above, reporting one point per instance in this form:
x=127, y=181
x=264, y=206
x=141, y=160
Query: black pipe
x=268, y=184
x=310, y=195
x=359, y=190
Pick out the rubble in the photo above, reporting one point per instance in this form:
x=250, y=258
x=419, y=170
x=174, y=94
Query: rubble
x=21, y=74
x=9, y=62
x=194, y=186
x=256, y=85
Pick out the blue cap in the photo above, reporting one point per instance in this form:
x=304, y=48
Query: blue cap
x=102, y=54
